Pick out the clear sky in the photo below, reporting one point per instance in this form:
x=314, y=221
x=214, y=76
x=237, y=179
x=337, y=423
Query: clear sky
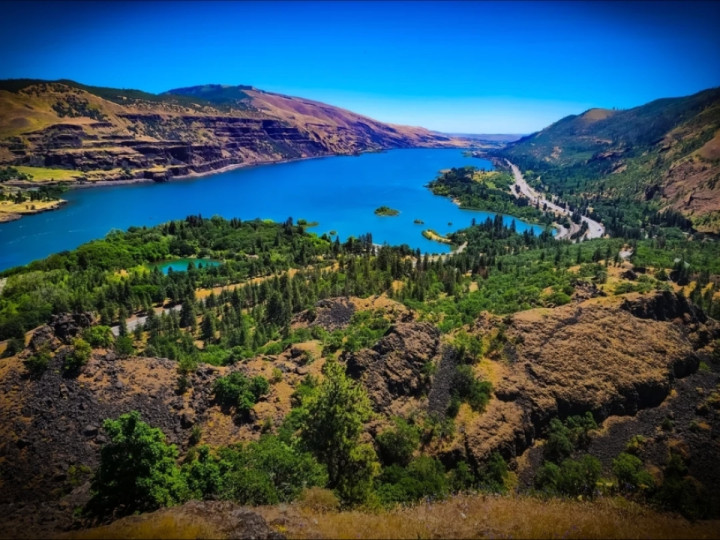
x=470, y=67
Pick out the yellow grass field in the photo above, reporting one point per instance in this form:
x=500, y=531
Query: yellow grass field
x=10, y=210
x=41, y=174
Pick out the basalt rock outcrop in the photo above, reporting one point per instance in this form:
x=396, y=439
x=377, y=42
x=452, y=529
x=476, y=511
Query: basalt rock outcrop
x=606, y=356
x=397, y=366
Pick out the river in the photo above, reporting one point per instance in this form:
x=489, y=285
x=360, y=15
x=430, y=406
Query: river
x=340, y=193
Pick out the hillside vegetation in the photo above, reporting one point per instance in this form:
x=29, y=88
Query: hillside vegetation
x=663, y=156
x=349, y=376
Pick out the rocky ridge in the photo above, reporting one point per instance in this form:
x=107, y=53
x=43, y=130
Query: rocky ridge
x=111, y=134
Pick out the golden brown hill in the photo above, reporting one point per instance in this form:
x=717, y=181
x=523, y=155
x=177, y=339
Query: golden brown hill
x=112, y=134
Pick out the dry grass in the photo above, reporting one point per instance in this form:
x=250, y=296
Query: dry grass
x=478, y=516
x=462, y=516
x=10, y=210
x=43, y=174
x=594, y=115
x=164, y=524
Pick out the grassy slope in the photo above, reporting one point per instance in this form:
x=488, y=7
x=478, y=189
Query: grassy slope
x=463, y=516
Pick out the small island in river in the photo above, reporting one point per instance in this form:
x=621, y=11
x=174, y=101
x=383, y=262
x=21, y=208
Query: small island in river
x=386, y=211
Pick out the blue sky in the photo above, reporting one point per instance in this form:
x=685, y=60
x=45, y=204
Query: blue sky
x=472, y=67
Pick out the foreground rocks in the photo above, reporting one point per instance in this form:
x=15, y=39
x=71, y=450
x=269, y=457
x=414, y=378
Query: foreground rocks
x=634, y=358
x=607, y=356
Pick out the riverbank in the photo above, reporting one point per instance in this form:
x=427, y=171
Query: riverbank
x=10, y=211
x=340, y=194
x=79, y=184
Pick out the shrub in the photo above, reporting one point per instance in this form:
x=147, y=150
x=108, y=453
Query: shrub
x=240, y=391
x=493, y=474
x=250, y=486
x=303, y=390
x=78, y=357
x=330, y=427
x=98, y=336
x=630, y=474
x=423, y=477
x=682, y=493
x=565, y=438
x=571, y=477
x=124, y=346
x=37, y=364
x=264, y=472
x=476, y=393
x=195, y=435
x=396, y=446
x=201, y=473
x=290, y=470
x=14, y=346
x=138, y=470
x=462, y=477
x=635, y=445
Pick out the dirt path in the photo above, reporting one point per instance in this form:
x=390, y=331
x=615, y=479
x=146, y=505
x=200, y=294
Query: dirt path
x=595, y=228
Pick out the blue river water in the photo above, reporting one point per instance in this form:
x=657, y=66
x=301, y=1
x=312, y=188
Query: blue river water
x=340, y=193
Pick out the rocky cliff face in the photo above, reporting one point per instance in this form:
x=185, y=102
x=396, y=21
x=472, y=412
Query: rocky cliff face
x=608, y=356
x=115, y=134
x=396, y=368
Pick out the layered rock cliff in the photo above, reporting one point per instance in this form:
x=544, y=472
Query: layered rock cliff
x=114, y=134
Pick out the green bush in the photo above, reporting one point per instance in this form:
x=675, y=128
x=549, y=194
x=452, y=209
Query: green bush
x=630, y=474
x=124, y=346
x=37, y=364
x=98, y=336
x=682, y=493
x=237, y=390
x=462, y=478
x=397, y=445
x=571, y=477
x=78, y=357
x=476, y=393
x=423, y=477
x=138, y=470
x=330, y=425
x=566, y=437
x=493, y=475
x=14, y=346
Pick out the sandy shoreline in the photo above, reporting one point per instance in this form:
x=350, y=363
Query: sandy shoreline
x=191, y=175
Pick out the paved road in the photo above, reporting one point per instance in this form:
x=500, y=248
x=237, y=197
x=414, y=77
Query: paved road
x=595, y=228
x=134, y=322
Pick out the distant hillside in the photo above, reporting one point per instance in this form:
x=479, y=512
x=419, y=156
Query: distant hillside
x=665, y=153
x=119, y=134
x=488, y=137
